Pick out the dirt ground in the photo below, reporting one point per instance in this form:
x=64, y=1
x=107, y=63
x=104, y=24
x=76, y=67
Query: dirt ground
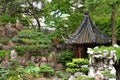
x=47, y=79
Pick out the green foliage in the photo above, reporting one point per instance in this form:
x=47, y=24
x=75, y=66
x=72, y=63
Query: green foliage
x=4, y=40
x=34, y=37
x=77, y=65
x=104, y=9
x=4, y=19
x=72, y=70
x=24, y=20
x=71, y=65
x=13, y=72
x=65, y=78
x=16, y=72
x=66, y=56
x=4, y=52
x=103, y=23
x=80, y=61
x=108, y=74
x=2, y=73
x=46, y=70
x=31, y=49
x=32, y=41
x=17, y=40
x=34, y=71
x=64, y=15
x=59, y=74
x=118, y=28
x=56, y=34
x=84, y=78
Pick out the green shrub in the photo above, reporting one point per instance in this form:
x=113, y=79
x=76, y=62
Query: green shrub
x=4, y=40
x=84, y=78
x=17, y=40
x=81, y=61
x=4, y=19
x=71, y=64
x=72, y=70
x=30, y=48
x=16, y=72
x=13, y=72
x=3, y=73
x=66, y=56
x=65, y=77
x=32, y=41
x=46, y=70
x=77, y=65
x=4, y=52
x=34, y=71
x=59, y=74
x=108, y=74
x=103, y=23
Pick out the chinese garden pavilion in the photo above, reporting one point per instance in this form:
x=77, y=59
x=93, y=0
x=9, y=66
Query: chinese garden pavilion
x=87, y=35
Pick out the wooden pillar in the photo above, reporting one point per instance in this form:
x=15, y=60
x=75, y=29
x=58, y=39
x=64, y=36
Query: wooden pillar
x=78, y=53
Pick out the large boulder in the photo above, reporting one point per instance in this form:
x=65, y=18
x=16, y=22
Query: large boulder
x=13, y=55
x=19, y=26
x=11, y=32
x=2, y=31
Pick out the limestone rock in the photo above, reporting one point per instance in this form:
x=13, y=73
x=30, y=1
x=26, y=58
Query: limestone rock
x=13, y=55
x=72, y=77
x=50, y=58
x=91, y=72
x=98, y=77
x=19, y=26
x=2, y=31
x=10, y=32
x=78, y=74
x=59, y=66
x=32, y=58
x=43, y=61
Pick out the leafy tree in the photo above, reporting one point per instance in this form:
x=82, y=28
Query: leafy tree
x=31, y=9
x=105, y=7
x=63, y=15
x=16, y=8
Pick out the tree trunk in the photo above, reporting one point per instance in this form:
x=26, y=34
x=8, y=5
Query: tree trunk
x=37, y=21
x=33, y=13
x=114, y=41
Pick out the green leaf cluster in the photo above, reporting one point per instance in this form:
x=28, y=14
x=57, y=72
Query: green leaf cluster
x=32, y=41
x=77, y=65
x=4, y=40
x=4, y=19
x=84, y=78
x=80, y=61
x=108, y=74
x=66, y=56
x=12, y=72
x=46, y=69
x=3, y=53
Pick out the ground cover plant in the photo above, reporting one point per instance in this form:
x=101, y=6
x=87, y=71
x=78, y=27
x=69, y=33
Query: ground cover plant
x=77, y=65
x=32, y=41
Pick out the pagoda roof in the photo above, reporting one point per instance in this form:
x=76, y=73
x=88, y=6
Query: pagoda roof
x=88, y=33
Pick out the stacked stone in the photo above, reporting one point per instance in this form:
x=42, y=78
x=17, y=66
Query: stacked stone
x=100, y=62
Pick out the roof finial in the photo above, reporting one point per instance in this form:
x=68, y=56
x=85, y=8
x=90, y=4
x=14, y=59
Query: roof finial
x=86, y=13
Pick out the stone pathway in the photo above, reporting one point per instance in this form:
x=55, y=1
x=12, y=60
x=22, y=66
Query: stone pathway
x=47, y=79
